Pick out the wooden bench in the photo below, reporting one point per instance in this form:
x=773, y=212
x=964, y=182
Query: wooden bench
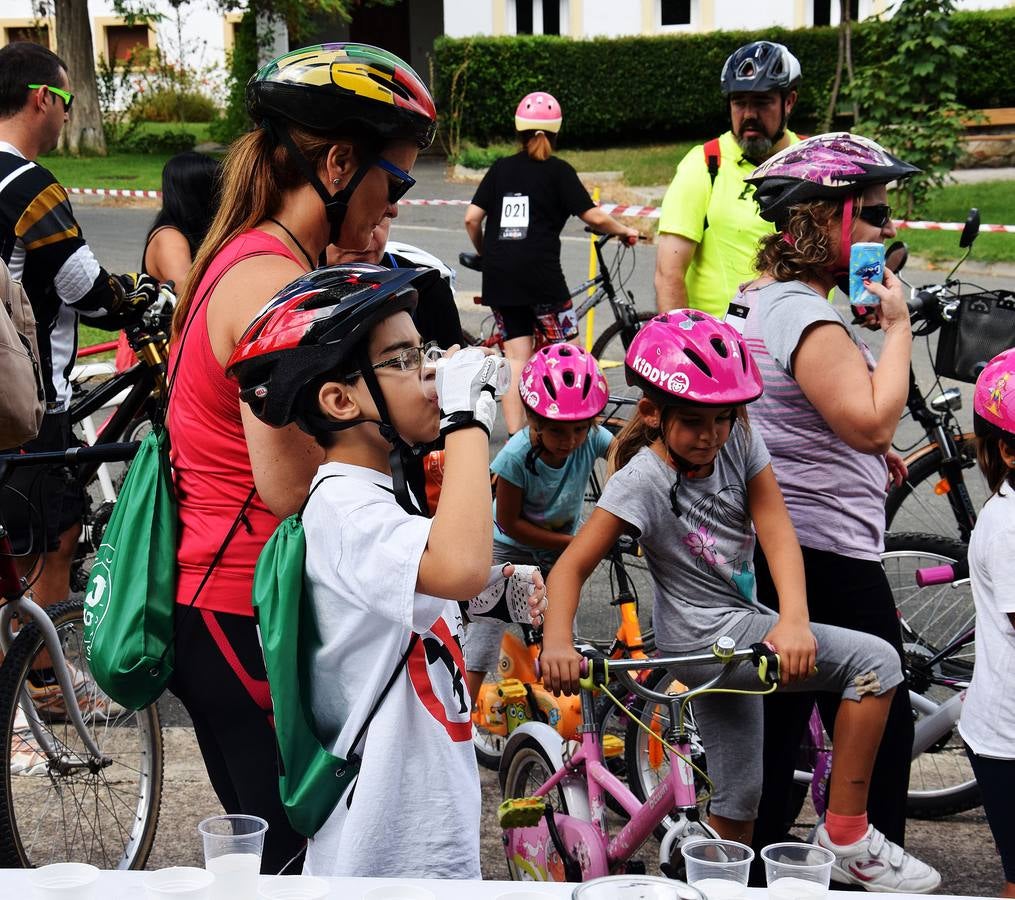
x=1003, y=117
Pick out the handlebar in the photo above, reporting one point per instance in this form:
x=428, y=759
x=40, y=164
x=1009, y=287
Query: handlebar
x=72, y=456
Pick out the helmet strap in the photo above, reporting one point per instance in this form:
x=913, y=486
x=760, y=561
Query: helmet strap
x=535, y=451
x=335, y=205
x=845, y=236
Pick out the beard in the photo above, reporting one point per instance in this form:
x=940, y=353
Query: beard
x=758, y=148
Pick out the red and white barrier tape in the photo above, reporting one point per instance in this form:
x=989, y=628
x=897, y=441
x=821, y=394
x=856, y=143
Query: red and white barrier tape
x=614, y=209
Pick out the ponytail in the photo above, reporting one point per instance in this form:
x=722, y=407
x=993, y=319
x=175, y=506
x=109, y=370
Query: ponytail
x=538, y=144
x=637, y=433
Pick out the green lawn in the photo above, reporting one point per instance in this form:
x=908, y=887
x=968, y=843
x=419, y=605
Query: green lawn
x=138, y=171
x=996, y=202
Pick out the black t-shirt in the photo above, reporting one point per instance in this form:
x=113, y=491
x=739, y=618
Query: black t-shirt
x=527, y=204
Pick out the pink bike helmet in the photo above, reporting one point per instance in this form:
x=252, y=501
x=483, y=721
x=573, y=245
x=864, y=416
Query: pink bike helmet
x=538, y=111
x=994, y=397
x=692, y=357
x=832, y=166
x=562, y=382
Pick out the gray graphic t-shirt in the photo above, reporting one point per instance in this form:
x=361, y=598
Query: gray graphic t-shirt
x=702, y=562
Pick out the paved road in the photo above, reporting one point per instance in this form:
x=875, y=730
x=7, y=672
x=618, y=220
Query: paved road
x=959, y=845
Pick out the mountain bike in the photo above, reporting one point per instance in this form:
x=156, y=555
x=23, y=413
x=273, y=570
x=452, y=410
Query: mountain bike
x=944, y=488
x=608, y=285
x=82, y=780
x=554, y=809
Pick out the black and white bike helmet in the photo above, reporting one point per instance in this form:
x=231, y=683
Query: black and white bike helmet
x=760, y=66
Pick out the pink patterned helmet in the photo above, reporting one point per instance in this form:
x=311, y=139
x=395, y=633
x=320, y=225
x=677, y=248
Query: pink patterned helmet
x=994, y=396
x=562, y=382
x=538, y=111
x=692, y=357
x=824, y=167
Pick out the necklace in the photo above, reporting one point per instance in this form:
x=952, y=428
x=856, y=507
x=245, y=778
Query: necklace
x=295, y=240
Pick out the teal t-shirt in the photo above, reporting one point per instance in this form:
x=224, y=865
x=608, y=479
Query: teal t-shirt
x=551, y=498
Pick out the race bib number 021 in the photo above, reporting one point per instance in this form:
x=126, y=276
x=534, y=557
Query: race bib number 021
x=514, y=217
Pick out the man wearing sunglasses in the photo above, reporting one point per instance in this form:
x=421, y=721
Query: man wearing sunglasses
x=42, y=245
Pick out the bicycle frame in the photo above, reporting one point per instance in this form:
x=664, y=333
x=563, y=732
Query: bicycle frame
x=552, y=849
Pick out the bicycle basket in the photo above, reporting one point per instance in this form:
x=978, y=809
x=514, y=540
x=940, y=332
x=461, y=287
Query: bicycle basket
x=984, y=326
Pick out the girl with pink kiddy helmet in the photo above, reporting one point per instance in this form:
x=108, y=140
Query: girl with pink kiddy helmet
x=563, y=383
x=687, y=356
x=538, y=111
x=994, y=398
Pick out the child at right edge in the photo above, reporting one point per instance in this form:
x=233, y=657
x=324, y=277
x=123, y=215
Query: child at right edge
x=987, y=725
x=695, y=486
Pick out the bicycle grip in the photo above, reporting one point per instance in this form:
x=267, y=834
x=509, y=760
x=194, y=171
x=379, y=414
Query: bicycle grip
x=935, y=575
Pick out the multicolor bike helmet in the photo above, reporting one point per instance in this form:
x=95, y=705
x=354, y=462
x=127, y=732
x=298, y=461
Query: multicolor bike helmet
x=994, y=397
x=760, y=66
x=342, y=89
x=312, y=327
x=538, y=111
x=562, y=382
x=330, y=87
x=831, y=166
x=691, y=357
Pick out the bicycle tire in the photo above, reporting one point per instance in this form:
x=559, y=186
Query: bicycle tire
x=922, y=509
x=941, y=781
x=114, y=805
x=609, y=351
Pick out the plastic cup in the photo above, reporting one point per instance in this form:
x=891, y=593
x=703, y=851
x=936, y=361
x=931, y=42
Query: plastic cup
x=797, y=871
x=718, y=869
x=177, y=883
x=232, y=851
x=635, y=887
x=293, y=887
x=64, y=881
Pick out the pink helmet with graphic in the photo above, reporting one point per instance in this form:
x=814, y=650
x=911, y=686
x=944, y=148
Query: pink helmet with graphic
x=994, y=396
x=538, y=111
x=691, y=357
x=824, y=167
x=562, y=382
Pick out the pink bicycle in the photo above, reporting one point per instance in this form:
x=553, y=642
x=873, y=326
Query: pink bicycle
x=554, y=809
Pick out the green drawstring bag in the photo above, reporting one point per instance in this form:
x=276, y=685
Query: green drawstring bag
x=131, y=594
x=311, y=779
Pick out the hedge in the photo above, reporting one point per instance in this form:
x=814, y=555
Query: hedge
x=620, y=90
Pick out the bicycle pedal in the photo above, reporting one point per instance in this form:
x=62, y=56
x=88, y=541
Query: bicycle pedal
x=613, y=746
x=521, y=812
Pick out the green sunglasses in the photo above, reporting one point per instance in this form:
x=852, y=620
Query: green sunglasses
x=66, y=96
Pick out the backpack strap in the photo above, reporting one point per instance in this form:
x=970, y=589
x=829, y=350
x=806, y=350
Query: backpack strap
x=713, y=159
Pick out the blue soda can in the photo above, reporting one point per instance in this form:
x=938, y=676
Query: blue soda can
x=866, y=262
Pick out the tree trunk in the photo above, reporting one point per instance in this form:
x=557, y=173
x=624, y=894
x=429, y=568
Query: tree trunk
x=83, y=133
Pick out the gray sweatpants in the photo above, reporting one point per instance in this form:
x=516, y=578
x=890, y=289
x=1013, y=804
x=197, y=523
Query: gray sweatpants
x=483, y=636
x=849, y=663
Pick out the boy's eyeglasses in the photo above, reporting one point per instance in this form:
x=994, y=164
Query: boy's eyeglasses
x=400, y=182
x=878, y=215
x=411, y=359
x=66, y=96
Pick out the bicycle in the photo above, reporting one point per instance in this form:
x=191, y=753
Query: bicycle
x=941, y=780
x=943, y=490
x=554, y=809
x=82, y=779
x=609, y=285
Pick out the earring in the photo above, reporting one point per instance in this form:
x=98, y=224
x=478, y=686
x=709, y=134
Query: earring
x=335, y=181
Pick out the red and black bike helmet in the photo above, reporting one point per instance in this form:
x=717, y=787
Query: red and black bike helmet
x=314, y=326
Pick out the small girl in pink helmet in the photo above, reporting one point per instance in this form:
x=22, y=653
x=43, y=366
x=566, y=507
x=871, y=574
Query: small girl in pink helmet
x=694, y=485
x=542, y=474
x=987, y=725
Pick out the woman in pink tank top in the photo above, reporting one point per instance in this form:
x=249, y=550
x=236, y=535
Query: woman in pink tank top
x=339, y=127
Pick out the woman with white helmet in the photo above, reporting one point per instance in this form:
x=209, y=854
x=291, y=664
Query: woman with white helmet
x=526, y=200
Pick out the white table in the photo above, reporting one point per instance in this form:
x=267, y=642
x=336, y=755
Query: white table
x=14, y=883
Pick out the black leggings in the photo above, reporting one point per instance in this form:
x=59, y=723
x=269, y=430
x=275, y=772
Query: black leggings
x=850, y=593
x=996, y=778
x=220, y=679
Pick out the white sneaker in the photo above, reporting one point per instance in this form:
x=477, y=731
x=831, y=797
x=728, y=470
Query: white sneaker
x=92, y=702
x=26, y=756
x=876, y=864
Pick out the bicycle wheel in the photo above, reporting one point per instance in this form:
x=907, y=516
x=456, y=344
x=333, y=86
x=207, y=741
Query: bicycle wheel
x=72, y=807
x=646, y=759
x=941, y=781
x=609, y=350
x=525, y=769
x=916, y=505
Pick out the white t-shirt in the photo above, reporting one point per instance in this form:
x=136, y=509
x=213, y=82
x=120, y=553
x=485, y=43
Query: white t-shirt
x=414, y=810
x=988, y=714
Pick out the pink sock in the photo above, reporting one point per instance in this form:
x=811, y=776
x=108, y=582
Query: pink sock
x=844, y=830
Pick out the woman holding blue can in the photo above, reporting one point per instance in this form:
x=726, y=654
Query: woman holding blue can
x=828, y=416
